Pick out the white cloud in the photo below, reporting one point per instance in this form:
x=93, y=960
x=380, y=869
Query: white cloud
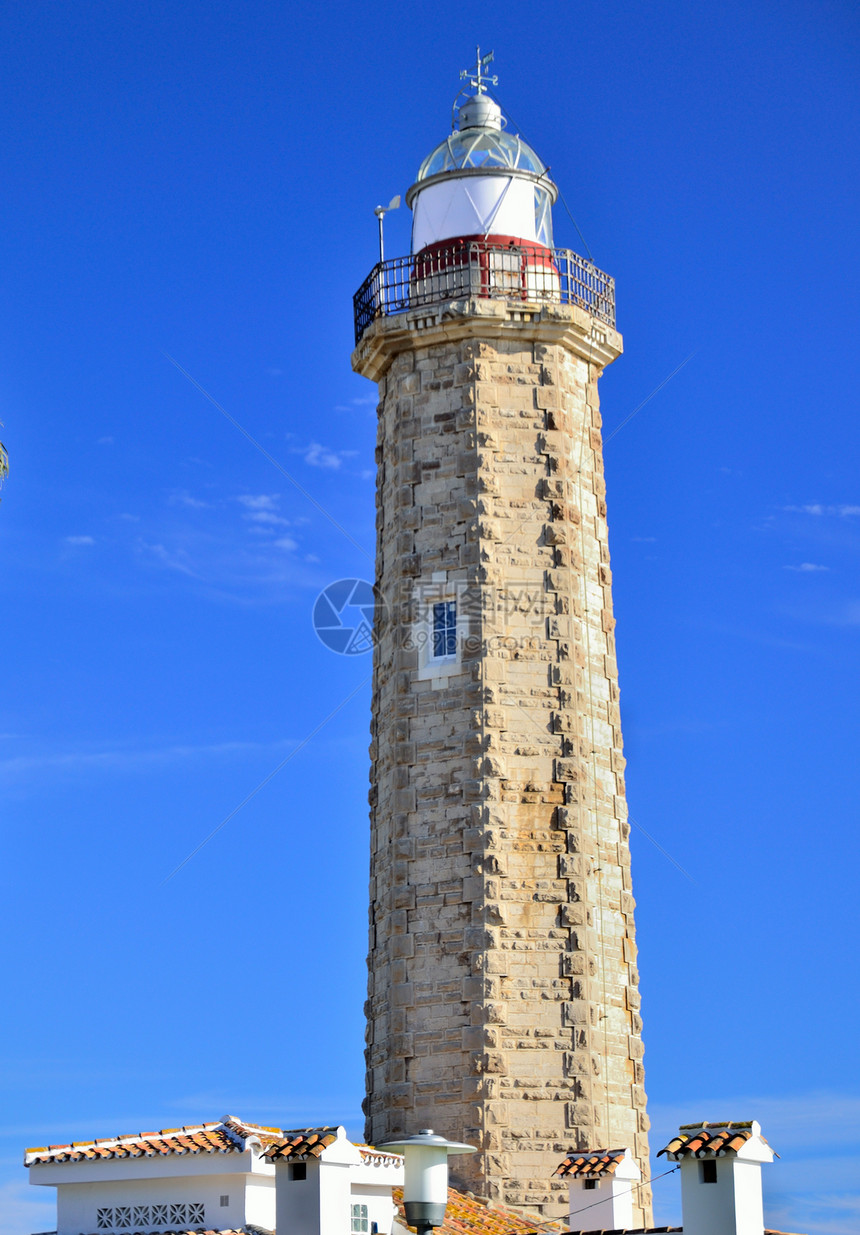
x=285, y=542
x=798, y=1121
x=363, y=401
x=24, y=1208
x=842, y=510
x=182, y=498
x=807, y=568
x=259, y=501
x=174, y=560
x=320, y=456
x=261, y=509
x=105, y=441
x=268, y=517
x=18, y=766
x=79, y=540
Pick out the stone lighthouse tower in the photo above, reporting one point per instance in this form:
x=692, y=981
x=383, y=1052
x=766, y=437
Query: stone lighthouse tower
x=503, y=1005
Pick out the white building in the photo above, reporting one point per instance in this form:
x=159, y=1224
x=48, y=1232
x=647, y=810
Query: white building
x=236, y=1178
x=227, y=1176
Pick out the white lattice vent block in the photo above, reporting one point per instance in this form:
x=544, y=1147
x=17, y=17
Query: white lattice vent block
x=126, y=1217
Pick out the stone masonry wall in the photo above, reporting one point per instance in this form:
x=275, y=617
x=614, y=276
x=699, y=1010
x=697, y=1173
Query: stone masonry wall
x=503, y=1005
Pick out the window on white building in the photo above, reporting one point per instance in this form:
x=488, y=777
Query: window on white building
x=358, y=1220
x=708, y=1171
x=225, y=1200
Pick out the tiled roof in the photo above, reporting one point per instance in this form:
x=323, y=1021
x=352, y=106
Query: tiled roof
x=467, y=1215
x=704, y=1139
x=309, y=1143
x=228, y=1136
x=596, y=1165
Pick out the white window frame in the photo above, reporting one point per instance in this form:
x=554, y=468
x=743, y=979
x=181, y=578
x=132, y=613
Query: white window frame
x=439, y=590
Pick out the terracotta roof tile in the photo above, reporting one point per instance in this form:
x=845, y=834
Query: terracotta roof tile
x=308, y=1143
x=705, y=1139
x=595, y=1165
x=468, y=1215
x=228, y=1136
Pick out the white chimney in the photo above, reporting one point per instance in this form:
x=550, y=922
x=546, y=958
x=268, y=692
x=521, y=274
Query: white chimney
x=602, y=1185
x=326, y=1185
x=721, y=1177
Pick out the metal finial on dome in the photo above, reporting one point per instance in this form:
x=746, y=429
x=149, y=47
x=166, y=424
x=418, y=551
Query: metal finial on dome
x=477, y=77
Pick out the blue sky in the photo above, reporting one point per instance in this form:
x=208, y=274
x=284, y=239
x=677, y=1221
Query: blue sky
x=197, y=181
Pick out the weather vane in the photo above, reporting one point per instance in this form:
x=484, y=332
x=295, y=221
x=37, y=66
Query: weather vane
x=477, y=77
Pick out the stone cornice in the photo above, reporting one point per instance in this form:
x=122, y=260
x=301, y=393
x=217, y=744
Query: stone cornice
x=565, y=324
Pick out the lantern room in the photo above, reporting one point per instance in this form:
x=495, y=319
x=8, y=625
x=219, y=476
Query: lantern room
x=481, y=183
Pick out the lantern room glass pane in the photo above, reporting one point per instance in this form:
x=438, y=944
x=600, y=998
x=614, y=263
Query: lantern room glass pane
x=543, y=216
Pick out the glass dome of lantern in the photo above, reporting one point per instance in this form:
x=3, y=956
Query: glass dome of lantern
x=480, y=148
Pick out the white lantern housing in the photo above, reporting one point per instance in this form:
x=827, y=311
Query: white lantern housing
x=425, y=1167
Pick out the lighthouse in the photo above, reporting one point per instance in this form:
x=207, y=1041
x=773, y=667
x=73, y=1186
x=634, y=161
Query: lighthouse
x=503, y=1006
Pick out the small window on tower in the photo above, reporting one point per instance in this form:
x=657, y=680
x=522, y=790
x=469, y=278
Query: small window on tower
x=225, y=1201
x=445, y=630
x=708, y=1171
x=589, y=1183
x=298, y=1170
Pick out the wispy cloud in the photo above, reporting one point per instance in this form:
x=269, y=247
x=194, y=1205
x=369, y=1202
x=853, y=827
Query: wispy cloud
x=79, y=540
x=182, y=498
x=173, y=559
x=807, y=568
x=262, y=510
x=23, y=1208
x=259, y=501
x=126, y=759
x=363, y=401
x=320, y=456
x=267, y=517
x=841, y=510
x=799, y=1120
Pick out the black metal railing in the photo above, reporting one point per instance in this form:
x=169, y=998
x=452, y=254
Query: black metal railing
x=479, y=268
